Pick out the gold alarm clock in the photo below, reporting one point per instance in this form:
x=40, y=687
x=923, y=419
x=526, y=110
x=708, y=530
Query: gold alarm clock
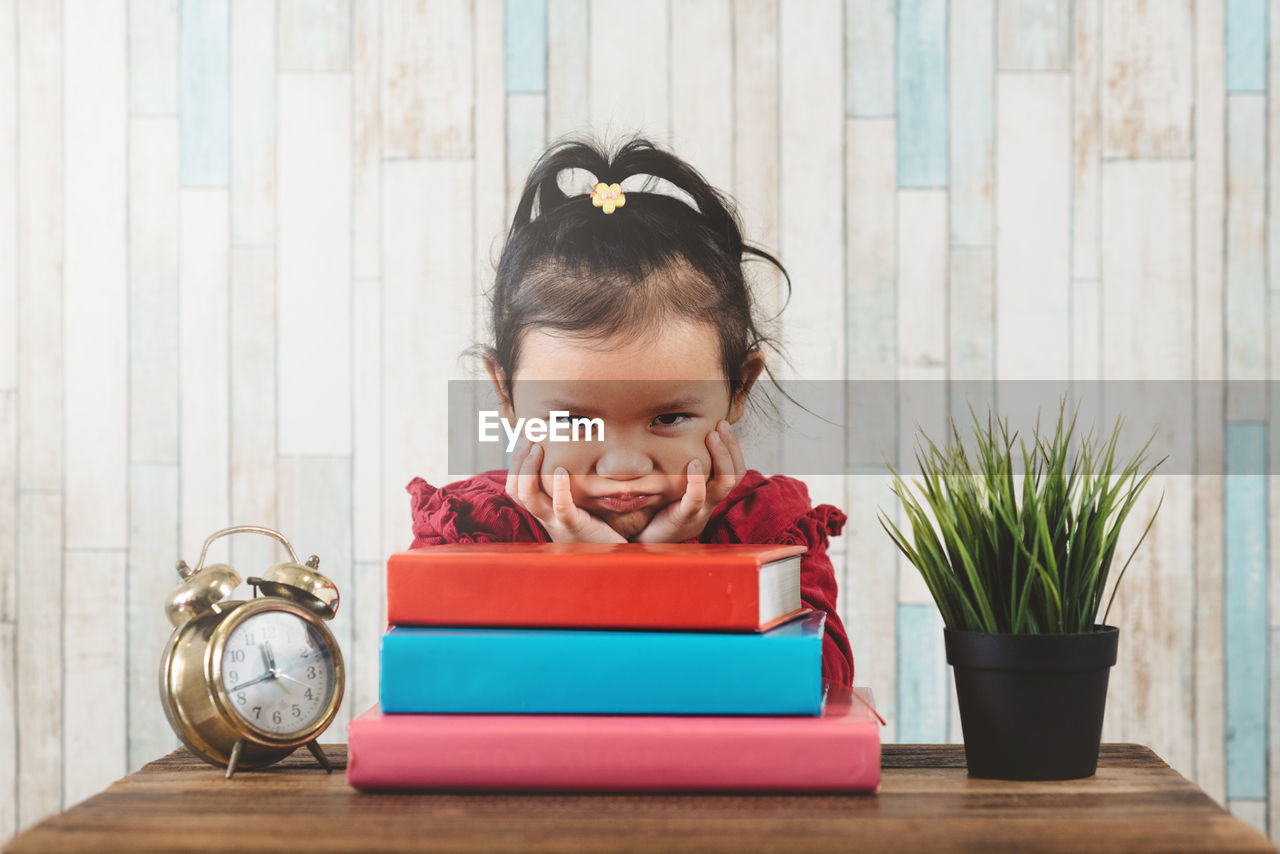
x=244, y=683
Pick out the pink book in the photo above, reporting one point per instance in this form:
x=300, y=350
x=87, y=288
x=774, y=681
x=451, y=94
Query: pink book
x=839, y=751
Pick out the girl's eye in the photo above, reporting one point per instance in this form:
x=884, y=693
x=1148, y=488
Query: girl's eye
x=671, y=419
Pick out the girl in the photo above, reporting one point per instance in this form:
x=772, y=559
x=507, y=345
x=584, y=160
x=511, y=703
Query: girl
x=631, y=308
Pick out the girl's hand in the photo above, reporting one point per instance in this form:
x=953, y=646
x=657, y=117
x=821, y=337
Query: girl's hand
x=686, y=518
x=565, y=521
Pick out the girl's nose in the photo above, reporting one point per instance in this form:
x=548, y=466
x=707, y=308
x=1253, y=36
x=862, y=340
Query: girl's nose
x=623, y=461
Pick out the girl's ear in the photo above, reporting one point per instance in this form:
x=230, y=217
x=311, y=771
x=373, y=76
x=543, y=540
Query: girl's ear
x=751, y=368
x=500, y=386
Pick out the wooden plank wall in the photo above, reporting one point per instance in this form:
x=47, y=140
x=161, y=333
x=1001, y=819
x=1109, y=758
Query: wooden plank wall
x=242, y=243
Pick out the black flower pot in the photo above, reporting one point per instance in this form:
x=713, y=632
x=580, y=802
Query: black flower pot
x=1031, y=705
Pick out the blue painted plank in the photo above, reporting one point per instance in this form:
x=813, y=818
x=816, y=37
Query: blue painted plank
x=525, y=34
x=204, y=84
x=922, y=676
x=922, y=93
x=1245, y=609
x=1246, y=45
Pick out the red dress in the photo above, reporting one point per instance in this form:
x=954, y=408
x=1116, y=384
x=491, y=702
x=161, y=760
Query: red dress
x=759, y=510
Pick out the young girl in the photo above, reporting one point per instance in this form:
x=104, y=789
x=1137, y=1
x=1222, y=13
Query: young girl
x=631, y=308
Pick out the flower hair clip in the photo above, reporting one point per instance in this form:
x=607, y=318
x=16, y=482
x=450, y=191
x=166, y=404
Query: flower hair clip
x=608, y=196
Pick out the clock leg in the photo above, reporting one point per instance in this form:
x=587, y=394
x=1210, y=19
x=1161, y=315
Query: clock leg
x=320, y=757
x=235, y=758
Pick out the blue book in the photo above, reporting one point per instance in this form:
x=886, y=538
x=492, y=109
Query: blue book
x=577, y=671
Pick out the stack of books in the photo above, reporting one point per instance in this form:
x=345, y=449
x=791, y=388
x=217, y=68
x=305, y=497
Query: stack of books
x=607, y=666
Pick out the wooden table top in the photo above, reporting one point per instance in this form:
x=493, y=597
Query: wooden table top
x=927, y=802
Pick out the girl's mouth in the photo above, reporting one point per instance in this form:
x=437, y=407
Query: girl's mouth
x=622, y=502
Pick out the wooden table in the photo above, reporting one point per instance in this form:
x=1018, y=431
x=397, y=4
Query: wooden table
x=927, y=802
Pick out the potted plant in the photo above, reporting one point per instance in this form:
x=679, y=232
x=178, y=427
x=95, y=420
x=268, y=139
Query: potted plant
x=1017, y=564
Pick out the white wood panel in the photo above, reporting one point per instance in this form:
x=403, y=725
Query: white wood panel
x=1146, y=78
x=1035, y=35
x=869, y=593
x=1086, y=141
x=8, y=730
x=871, y=29
x=366, y=422
x=972, y=115
x=253, y=122
x=702, y=88
x=489, y=205
x=8, y=197
x=526, y=140
x=313, y=296
x=971, y=325
x=204, y=376
x=426, y=251
x=1146, y=268
x=366, y=138
x=153, y=552
x=369, y=620
x=253, y=406
x=872, y=238
x=921, y=340
x=314, y=35
x=153, y=290
x=755, y=136
x=811, y=236
x=40, y=655
x=153, y=58
x=1086, y=325
x=8, y=511
x=871, y=331
x=314, y=509
x=756, y=169
x=628, y=80
x=40, y=246
x=567, y=102
x=94, y=677
x=1246, y=260
x=95, y=438
x=1207, y=354
x=1033, y=225
x=427, y=79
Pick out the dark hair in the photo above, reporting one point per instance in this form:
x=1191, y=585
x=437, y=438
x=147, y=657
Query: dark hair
x=575, y=269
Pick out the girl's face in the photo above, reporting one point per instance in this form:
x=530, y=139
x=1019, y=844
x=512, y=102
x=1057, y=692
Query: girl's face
x=658, y=398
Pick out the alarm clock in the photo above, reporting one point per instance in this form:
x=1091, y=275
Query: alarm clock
x=244, y=683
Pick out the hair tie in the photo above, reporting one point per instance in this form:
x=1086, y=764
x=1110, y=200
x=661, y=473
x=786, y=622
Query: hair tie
x=608, y=196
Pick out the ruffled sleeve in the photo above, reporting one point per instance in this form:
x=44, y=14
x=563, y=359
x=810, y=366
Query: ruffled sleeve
x=475, y=510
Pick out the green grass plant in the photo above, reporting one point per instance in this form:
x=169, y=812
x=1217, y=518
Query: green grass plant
x=1020, y=553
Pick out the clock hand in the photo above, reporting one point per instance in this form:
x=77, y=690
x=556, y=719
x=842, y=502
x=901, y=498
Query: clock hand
x=271, y=659
x=254, y=681
x=292, y=679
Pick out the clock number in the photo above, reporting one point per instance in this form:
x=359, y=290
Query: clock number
x=297, y=712
x=240, y=698
x=309, y=695
x=237, y=656
x=235, y=676
x=311, y=671
x=248, y=639
x=275, y=717
x=257, y=712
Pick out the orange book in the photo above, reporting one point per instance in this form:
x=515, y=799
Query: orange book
x=681, y=586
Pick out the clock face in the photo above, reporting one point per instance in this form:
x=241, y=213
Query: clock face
x=278, y=672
